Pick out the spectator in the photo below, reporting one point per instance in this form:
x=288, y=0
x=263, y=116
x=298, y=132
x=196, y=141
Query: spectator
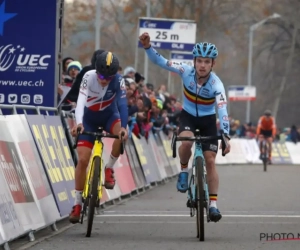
x=129, y=72
x=148, y=89
x=294, y=134
x=139, y=79
x=73, y=69
x=65, y=63
x=161, y=92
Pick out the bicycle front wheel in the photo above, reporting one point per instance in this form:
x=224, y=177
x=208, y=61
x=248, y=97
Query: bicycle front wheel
x=93, y=194
x=200, y=198
x=266, y=153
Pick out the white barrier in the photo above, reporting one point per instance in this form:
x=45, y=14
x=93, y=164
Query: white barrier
x=244, y=151
x=294, y=150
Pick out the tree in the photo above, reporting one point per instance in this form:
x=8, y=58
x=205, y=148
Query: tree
x=223, y=22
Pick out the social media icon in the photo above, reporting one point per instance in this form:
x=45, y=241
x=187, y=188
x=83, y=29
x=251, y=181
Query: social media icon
x=25, y=99
x=2, y=98
x=37, y=99
x=12, y=98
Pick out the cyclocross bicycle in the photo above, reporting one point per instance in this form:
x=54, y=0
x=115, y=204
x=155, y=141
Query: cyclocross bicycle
x=92, y=192
x=265, y=153
x=198, y=196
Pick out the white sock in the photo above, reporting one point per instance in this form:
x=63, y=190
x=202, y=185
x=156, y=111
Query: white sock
x=78, y=198
x=185, y=170
x=213, y=204
x=111, y=162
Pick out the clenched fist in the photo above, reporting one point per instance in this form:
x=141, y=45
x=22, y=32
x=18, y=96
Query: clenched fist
x=145, y=40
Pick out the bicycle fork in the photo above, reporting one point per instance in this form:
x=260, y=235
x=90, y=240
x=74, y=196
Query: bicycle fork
x=206, y=201
x=192, y=199
x=265, y=150
x=100, y=185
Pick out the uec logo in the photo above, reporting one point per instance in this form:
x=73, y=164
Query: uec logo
x=9, y=53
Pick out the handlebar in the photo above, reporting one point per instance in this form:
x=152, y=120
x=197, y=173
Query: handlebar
x=199, y=139
x=100, y=135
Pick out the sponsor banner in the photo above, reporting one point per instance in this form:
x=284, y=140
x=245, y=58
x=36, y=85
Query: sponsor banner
x=245, y=151
x=245, y=146
x=170, y=34
x=116, y=192
x=161, y=152
x=242, y=93
x=27, y=63
x=146, y=159
x=10, y=226
x=135, y=164
x=32, y=166
x=158, y=160
x=168, y=151
x=62, y=150
x=1, y=235
x=293, y=150
x=237, y=152
x=56, y=161
x=123, y=173
x=255, y=153
x=280, y=154
x=165, y=159
x=68, y=124
x=15, y=179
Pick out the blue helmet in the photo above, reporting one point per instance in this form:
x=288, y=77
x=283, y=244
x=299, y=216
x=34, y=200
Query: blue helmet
x=205, y=50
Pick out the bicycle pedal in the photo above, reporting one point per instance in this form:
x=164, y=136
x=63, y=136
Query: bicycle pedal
x=97, y=211
x=188, y=204
x=191, y=204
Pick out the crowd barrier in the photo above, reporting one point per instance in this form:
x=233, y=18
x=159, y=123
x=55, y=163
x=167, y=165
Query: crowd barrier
x=246, y=151
x=38, y=166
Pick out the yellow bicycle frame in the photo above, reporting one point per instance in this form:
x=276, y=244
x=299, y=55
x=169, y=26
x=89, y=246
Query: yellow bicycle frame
x=97, y=151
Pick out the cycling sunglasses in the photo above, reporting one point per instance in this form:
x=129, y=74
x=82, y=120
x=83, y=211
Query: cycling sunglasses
x=107, y=78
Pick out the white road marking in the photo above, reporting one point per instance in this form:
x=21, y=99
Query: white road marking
x=187, y=215
x=191, y=222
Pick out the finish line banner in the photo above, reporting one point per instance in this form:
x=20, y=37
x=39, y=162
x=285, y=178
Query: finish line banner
x=28, y=52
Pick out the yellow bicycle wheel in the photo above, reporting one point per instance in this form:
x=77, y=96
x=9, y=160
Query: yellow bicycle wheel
x=93, y=194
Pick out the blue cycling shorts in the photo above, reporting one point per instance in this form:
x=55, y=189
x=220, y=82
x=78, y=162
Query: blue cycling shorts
x=92, y=121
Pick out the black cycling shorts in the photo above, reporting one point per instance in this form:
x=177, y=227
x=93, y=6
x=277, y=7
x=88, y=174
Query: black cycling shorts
x=206, y=124
x=266, y=133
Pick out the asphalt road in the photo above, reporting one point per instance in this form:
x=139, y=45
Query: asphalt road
x=254, y=204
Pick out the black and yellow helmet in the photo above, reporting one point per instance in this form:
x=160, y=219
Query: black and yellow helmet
x=107, y=64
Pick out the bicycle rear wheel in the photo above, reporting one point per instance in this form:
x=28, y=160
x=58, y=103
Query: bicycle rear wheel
x=93, y=194
x=200, y=198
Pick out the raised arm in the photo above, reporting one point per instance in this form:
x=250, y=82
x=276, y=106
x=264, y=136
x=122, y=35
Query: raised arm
x=159, y=60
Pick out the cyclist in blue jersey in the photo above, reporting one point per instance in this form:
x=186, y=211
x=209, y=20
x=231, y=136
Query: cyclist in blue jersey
x=101, y=102
x=202, y=91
